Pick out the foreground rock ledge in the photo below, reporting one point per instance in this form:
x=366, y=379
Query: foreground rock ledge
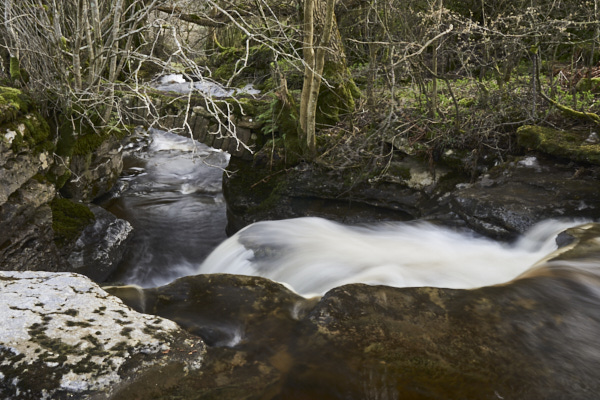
x=63, y=337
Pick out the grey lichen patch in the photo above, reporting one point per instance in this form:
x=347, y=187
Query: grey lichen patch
x=60, y=335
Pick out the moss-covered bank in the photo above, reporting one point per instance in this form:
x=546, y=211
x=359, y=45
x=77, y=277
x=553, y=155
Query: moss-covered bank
x=571, y=145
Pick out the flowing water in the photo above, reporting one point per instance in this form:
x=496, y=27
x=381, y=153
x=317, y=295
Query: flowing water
x=313, y=255
x=171, y=194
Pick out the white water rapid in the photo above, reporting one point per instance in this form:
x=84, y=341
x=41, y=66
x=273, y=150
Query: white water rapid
x=313, y=255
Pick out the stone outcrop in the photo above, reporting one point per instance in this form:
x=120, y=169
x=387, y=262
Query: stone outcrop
x=408, y=190
x=36, y=231
x=513, y=196
x=64, y=337
x=26, y=236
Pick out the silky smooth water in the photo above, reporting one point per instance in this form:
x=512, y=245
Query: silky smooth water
x=313, y=255
x=171, y=193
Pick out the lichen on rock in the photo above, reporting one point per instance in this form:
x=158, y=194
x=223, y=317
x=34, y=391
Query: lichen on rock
x=63, y=335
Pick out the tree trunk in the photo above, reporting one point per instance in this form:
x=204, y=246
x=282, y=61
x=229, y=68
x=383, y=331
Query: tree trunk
x=324, y=59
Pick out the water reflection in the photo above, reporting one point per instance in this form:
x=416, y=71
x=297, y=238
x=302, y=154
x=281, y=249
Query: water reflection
x=171, y=194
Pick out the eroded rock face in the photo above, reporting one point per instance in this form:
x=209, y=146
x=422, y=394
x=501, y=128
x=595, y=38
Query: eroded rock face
x=26, y=236
x=62, y=336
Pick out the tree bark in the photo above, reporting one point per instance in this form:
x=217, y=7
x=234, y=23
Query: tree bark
x=319, y=22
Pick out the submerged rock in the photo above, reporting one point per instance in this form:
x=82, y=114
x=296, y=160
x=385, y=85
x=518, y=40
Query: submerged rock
x=64, y=337
x=247, y=323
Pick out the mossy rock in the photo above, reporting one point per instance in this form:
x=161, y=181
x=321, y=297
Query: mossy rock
x=589, y=85
x=89, y=142
x=31, y=130
x=68, y=220
x=564, y=144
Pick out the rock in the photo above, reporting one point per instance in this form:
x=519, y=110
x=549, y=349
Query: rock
x=246, y=321
x=26, y=235
x=64, y=337
x=571, y=145
x=532, y=338
x=94, y=173
x=98, y=251
x=407, y=191
x=515, y=195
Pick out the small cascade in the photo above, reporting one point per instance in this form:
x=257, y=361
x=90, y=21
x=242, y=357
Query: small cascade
x=313, y=255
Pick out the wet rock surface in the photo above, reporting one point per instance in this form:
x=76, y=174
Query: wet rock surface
x=534, y=337
x=513, y=196
x=100, y=247
x=247, y=323
x=64, y=337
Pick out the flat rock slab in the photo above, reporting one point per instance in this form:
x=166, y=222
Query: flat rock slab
x=63, y=336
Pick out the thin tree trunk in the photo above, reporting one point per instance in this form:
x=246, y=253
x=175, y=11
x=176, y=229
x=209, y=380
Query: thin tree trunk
x=314, y=63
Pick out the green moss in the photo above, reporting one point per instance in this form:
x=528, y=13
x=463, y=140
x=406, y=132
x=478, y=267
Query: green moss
x=15, y=68
x=589, y=85
x=12, y=104
x=569, y=145
x=90, y=141
x=68, y=220
x=337, y=98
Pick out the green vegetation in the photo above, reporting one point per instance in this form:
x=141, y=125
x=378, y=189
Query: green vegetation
x=68, y=220
x=570, y=145
x=17, y=115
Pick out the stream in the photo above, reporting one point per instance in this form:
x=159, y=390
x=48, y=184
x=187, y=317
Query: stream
x=170, y=192
x=535, y=337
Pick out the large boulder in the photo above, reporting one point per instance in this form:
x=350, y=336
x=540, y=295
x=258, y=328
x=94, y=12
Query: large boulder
x=64, y=337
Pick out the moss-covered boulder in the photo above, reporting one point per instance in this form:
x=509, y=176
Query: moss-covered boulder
x=569, y=145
